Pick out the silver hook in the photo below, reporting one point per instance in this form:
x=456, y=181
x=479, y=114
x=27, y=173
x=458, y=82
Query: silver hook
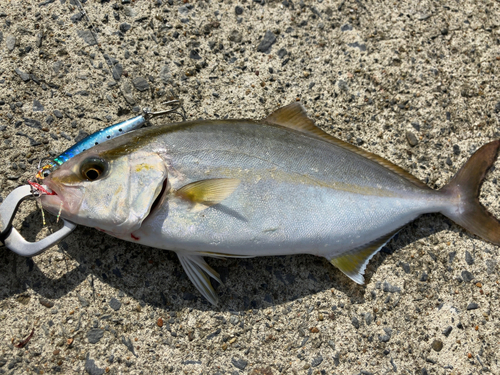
x=148, y=115
x=12, y=238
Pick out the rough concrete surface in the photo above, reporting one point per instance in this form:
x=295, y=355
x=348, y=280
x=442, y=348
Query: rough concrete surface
x=416, y=82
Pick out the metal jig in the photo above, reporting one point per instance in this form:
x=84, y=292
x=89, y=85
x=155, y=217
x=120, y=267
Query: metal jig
x=12, y=238
x=104, y=135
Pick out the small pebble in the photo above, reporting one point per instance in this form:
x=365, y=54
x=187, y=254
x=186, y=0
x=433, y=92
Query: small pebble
x=115, y=304
x=317, y=361
x=87, y=36
x=411, y=138
x=467, y=276
x=45, y=302
x=91, y=368
x=368, y=318
x=235, y=36
x=37, y=106
x=94, y=335
x=140, y=83
x=406, y=267
x=24, y=76
x=437, y=345
x=447, y=331
x=124, y=27
x=390, y=288
x=239, y=363
x=282, y=53
x=468, y=258
x=165, y=75
x=10, y=42
x=32, y=123
x=384, y=338
x=82, y=300
x=267, y=42
x=193, y=54
x=117, y=71
x=472, y=306
x=387, y=336
x=39, y=38
x=490, y=266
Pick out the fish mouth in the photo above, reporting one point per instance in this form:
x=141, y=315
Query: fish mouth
x=61, y=198
x=40, y=189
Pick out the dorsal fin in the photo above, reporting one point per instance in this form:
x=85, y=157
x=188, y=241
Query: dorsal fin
x=293, y=116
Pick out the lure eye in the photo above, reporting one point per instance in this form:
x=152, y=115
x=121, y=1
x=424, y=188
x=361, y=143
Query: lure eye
x=93, y=169
x=46, y=173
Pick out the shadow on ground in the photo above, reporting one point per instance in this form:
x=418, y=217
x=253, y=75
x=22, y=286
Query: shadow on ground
x=155, y=277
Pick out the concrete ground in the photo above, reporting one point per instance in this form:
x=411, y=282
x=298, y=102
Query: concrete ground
x=416, y=82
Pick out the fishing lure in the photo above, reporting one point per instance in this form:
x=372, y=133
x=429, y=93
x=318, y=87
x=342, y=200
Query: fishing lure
x=103, y=135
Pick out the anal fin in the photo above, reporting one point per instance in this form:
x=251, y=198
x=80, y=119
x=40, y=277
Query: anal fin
x=198, y=272
x=354, y=262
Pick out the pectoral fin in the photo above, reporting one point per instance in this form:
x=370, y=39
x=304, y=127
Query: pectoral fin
x=208, y=192
x=198, y=272
x=354, y=262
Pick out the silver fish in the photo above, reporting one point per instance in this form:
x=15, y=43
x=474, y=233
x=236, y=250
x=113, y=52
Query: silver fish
x=243, y=188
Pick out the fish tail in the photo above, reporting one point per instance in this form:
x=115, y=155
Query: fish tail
x=463, y=191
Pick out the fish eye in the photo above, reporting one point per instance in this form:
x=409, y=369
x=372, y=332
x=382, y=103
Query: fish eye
x=93, y=168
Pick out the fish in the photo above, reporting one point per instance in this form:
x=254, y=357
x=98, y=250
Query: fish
x=246, y=188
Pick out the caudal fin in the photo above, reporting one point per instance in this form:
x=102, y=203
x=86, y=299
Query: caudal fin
x=463, y=190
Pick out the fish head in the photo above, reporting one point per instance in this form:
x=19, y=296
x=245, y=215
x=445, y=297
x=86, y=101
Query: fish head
x=113, y=192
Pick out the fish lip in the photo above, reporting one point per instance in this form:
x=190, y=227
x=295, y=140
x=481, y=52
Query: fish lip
x=53, y=186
